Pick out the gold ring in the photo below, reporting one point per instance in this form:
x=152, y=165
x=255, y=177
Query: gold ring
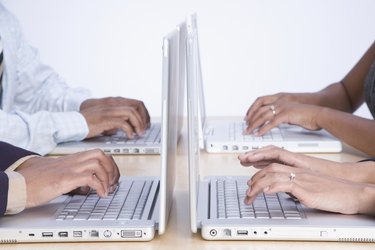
x=272, y=108
x=292, y=176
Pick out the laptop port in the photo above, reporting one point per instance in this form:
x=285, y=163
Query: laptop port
x=213, y=232
x=63, y=234
x=77, y=234
x=131, y=233
x=47, y=234
x=94, y=233
x=242, y=232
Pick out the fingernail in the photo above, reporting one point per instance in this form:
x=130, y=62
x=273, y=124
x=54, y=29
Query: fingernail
x=247, y=201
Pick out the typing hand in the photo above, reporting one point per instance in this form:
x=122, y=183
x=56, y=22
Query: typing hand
x=268, y=117
x=47, y=178
x=312, y=189
x=108, y=119
x=119, y=101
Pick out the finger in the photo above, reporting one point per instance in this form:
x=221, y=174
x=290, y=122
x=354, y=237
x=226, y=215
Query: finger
x=95, y=183
x=128, y=129
x=261, y=117
x=115, y=172
x=259, y=102
x=294, y=189
x=141, y=109
x=144, y=114
x=133, y=117
x=269, y=154
x=269, y=183
x=276, y=121
x=274, y=168
x=107, y=163
x=93, y=167
x=126, y=114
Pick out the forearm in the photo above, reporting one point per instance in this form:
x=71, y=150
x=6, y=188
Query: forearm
x=334, y=96
x=41, y=131
x=355, y=131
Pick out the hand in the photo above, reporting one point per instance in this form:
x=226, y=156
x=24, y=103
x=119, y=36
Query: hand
x=263, y=157
x=48, y=178
x=276, y=99
x=119, y=101
x=261, y=108
x=135, y=110
x=312, y=189
x=268, y=117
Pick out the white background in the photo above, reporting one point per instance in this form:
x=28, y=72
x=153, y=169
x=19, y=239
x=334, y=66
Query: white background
x=248, y=47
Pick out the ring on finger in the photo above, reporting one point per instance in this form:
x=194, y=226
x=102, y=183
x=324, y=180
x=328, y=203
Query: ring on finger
x=292, y=176
x=272, y=108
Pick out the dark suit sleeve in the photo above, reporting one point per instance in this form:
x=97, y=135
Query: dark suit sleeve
x=8, y=155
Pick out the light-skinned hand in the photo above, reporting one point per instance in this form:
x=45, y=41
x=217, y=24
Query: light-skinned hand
x=47, y=178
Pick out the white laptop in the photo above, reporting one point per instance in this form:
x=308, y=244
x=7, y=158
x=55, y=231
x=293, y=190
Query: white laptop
x=138, y=207
x=227, y=136
x=218, y=210
x=149, y=143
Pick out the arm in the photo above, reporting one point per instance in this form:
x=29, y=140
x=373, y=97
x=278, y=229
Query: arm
x=43, y=179
x=40, y=132
x=353, y=130
x=12, y=183
x=31, y=86
x=347, y=96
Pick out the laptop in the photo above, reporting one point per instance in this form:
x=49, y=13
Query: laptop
x=149, y=143
x=227, y=136
x=218, y=210
x=134, y=212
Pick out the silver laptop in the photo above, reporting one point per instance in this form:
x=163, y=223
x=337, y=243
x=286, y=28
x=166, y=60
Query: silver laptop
x=138, y=207
x=217, y=205
x=149, y=143
x=227, y=136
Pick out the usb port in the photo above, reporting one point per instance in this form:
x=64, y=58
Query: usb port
x=47, y=234
x=63, y=234
x=242, y=232
x=77, y=234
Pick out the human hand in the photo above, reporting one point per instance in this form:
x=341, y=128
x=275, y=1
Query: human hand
x=135, y=109
x=265, y=105
x=47, y=178
x=268, y=117
x=313, y=189
x=263, y=157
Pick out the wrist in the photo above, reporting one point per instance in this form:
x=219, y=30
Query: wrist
x=366, y=200
x=87, y=104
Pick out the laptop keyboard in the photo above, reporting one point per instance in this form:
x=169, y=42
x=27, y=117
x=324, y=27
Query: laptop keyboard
x=127, y=202
x=236, y=133
x=151, y=136
x=230, y=201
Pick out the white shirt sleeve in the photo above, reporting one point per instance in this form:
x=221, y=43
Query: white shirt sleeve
x=42, y=131
x=39, y=110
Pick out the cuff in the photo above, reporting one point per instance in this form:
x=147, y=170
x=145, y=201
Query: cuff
x=17, y=188
x=70, y=126
x=16, y=193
